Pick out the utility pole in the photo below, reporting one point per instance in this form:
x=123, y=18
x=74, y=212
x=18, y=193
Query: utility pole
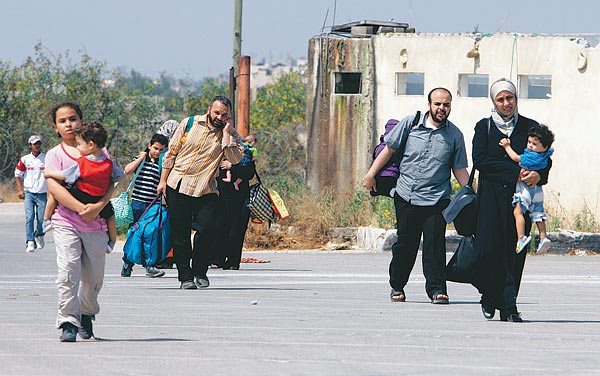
x=237, y=50
x=243, y=93
x=240, y=84
x=237, y=37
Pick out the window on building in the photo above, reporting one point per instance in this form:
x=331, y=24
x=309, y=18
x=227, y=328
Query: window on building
x=535, y=86
x=473, y=85
x=347, y=82
x=410, y=83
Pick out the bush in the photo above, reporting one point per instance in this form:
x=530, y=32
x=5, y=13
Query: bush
x=312, y=215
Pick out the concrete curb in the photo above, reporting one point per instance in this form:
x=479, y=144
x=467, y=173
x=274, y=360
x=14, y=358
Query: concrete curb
x=377, y=240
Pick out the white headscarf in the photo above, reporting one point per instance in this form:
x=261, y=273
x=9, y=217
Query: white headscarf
x=505, y=124
x=168, y=128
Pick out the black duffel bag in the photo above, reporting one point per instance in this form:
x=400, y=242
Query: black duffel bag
x=462, y=265
x=462, y=209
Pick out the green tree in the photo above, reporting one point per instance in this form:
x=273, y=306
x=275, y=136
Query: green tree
x=280, y=104
x=28, y=91
x=277, y=116
x=196, y=102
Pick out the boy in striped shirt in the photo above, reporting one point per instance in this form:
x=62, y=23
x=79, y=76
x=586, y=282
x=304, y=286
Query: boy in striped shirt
x=144, y=191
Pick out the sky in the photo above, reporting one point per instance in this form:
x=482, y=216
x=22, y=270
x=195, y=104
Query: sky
x=194, y=38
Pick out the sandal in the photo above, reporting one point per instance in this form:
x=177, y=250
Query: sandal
x=397, y=296
x=440, y=298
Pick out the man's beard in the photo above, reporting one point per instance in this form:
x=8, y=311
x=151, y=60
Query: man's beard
x=440, y=118
x=216, y=122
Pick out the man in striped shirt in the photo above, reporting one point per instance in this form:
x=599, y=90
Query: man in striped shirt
x=190, y=169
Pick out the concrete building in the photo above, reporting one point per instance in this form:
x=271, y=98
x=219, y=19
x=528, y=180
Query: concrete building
x=263, y=73
x=364, y=73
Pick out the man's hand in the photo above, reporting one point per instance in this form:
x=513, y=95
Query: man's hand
x=228, y=127
x=21, y=195
x=369, y=183
x=226, y=165
x=161, y=188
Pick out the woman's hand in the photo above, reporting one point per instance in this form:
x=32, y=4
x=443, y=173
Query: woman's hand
x=531, y=178
x=91, y=211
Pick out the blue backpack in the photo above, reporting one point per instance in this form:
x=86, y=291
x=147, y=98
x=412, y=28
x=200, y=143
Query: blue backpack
x=149, y=239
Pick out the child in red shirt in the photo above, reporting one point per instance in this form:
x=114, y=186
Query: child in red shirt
x=93, y=173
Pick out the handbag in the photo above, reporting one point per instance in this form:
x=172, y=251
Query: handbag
x=149, y=239
x=462, y=209
x=461, y=267
x=259, y=202
x=122, y=208
x=278, y=205
x=122, y=203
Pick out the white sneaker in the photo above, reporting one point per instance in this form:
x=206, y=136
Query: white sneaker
x=39, y=240
x=543, y=246
x=522, y=243
x=30, y=246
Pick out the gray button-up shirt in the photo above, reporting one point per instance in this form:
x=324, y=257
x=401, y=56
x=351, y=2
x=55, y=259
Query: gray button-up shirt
x=429, y=157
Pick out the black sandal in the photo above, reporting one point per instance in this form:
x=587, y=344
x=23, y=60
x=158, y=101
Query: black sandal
x=397, y=296
x=440, y=298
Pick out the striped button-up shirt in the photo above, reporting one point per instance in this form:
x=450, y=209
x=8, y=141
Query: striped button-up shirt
x=194, y=158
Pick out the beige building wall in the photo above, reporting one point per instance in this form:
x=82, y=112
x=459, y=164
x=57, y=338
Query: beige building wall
x=572, y=112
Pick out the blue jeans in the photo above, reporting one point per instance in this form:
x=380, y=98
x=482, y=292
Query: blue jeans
x=138, y=208
x=35, y=204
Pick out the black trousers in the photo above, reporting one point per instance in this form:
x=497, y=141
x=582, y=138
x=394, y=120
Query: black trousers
x=500, y=269
x=235, y=240
x=411, y=222
x=232, y=222
x=185, y=213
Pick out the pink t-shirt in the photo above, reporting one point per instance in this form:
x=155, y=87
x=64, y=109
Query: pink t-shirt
x=58, y=159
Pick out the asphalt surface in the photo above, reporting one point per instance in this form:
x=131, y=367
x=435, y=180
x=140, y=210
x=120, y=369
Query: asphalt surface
x=304, y=313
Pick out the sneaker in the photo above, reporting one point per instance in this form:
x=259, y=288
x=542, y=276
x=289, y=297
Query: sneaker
x=543, y=246
x=188, y=285
x=39, y=241
x=69, y=332
x=110, y=246
x=30, y=246
x=152, y=272
x=46, y=226
x=201, y=282
x=126, y=270
x=522, y=244
x=86, y=331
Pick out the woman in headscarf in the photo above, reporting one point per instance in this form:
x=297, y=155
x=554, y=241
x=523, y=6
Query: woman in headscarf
x=499, y=272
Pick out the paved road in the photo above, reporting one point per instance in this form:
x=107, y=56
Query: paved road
x=304, y=313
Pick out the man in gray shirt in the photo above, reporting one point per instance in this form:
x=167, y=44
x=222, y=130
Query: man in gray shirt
x=434, y=147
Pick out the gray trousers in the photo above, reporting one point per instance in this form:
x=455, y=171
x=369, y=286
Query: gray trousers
x=80, y=259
